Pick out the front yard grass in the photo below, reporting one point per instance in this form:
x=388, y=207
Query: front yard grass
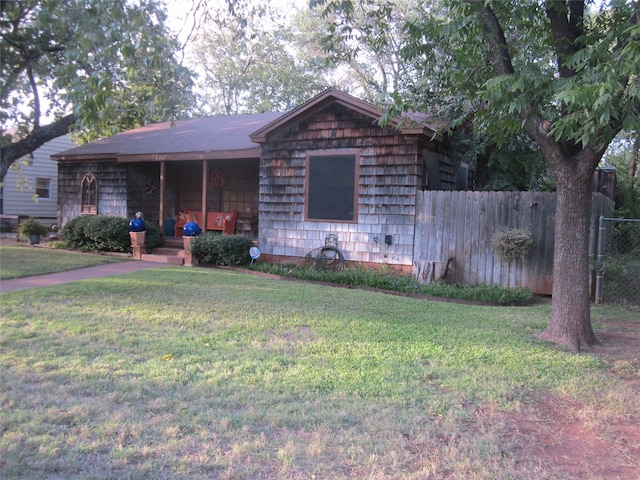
x=23, y=261
x=202, y=373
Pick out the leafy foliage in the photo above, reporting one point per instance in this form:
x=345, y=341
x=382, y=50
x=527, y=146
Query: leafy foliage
x=254, y=70
x=364, y=40
x=221, y=249
x=31, y=227
x=623, y=154
x=67, y=62
x=153, y=238
x=104, y=233
x=586, y=92
x=389, y=279
x=515, y=165
x=97, y=233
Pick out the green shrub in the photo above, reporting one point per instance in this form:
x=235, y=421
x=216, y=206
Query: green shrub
x=220, y=249
x=480, y=292
x=103, y=233
x=388, y=279
x=100, y=233
x=153, y=238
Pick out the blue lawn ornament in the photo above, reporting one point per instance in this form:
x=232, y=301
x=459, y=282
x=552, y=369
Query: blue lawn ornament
x=137, y=225
x=191, y=229
x=254, y=253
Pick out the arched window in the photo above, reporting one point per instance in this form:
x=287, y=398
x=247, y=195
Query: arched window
x=89, y=202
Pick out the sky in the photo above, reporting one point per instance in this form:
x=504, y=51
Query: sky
x=181, y=17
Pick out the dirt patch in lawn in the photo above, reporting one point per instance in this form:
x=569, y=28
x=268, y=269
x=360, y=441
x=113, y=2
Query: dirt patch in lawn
x=573, y=440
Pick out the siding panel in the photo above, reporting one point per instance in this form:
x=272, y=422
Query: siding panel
x=19, y=186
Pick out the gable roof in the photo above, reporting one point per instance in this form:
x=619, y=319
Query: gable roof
x=206, y=138
x=230, y=136
x=410, y=124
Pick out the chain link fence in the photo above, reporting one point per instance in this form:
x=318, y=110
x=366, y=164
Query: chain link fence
x=618, y=262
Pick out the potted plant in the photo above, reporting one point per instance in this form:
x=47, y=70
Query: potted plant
x=32, y=230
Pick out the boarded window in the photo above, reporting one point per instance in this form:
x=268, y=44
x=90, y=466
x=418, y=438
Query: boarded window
x=42, y=187
x=462, y=177
x=332, y=185
x=89, y=204
x=432, y=163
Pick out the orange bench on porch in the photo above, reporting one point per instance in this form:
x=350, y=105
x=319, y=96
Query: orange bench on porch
x=224, y=222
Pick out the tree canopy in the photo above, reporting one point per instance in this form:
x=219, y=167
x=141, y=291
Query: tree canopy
x=97, y=66
x=365, y=41
x=565, y=75
x=248, y=62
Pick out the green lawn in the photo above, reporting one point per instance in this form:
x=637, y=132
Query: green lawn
x=19, y=261
x=204, y=373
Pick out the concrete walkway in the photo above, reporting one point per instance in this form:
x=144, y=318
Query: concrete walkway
x=107, y=270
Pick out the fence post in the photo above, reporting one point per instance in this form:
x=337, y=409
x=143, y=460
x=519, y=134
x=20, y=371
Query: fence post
x=600, y=261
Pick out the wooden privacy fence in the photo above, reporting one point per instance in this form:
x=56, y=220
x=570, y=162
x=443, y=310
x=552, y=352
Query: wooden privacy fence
x=454, y=230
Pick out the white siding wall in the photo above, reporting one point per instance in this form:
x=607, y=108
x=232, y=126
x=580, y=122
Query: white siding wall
x=18, y=197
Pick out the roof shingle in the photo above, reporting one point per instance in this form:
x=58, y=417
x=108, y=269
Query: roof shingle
x=207, y=134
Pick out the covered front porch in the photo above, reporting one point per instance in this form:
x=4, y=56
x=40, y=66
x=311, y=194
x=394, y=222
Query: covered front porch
x=171, y=193
x=195, y=190
x=164, y=170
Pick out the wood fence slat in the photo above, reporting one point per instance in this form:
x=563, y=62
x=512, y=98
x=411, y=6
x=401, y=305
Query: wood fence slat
x=455, y=249
x=460, y=224
x=488, y=233
x=473, y=230
x=496, y=202
x=463, y=232
x=514, y=220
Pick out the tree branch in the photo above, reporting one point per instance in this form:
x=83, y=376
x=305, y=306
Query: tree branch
x=498, y=44
x=14, y=151
x=567, y=26
x=502, y=64
x=36, y=96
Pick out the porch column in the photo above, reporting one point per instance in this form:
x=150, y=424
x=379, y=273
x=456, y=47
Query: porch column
x=204, y=194
x=163, y=172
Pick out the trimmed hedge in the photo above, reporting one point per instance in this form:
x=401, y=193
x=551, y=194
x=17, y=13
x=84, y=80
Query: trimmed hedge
x=104, y=233
x=221, y=249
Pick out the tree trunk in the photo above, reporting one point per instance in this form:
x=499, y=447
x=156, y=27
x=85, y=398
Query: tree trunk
x=633, y=161
x=570, y=322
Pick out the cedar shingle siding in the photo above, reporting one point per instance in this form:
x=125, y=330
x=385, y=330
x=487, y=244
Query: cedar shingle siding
x=390, y=173
x=123, y=189
x=112, y=188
